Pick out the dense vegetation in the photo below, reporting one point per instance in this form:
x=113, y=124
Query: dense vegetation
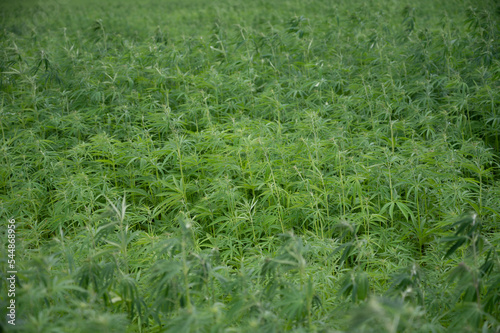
x=251, y=166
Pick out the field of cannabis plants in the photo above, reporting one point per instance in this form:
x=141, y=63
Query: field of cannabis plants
x=250, y=166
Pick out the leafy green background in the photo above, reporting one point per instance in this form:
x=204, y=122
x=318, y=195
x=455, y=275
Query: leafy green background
x=244, y=166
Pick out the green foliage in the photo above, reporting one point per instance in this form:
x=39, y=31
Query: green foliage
x=251, y=166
